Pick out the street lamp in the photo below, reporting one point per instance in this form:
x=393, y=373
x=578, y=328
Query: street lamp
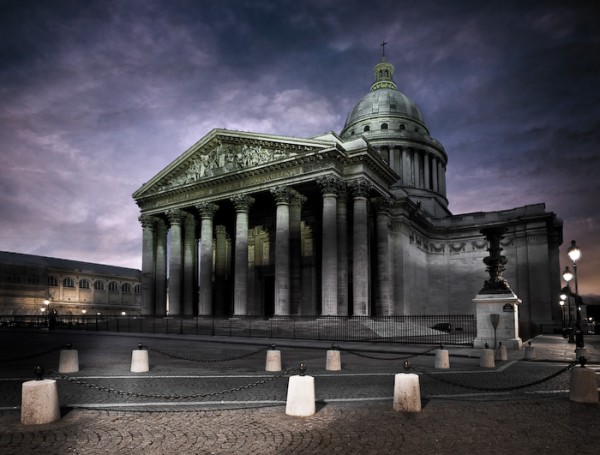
x=565, y=295
x=562, y=313
x=575, y=254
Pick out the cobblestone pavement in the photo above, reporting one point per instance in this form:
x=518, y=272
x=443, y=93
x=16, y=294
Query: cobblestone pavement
x=466, y=409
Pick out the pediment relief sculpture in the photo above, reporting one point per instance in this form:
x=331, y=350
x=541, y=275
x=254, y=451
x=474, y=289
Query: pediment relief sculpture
x=223, y=158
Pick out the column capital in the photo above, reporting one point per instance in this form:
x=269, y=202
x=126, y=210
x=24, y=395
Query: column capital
x=296, y=198
x=360, y=187
x=207, y=209
x=242, y=202
x=175, y=216
x=148, y=222
x=281, y=194
x=383, y=204
x=329, y=184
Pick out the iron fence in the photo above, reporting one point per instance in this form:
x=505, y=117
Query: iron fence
x=414, y=329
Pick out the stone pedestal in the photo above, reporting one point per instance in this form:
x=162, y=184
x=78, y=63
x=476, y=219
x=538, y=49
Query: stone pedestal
x=504, y=308
x=301, y=396
x=68, y=361
x=583, y=386
x=334, y=362
x=139, y=361
x=442, y=360
x=39, y=402
x=407, y=393
x=273, y=362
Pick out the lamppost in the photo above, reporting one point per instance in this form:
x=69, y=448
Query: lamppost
x=562, y=313
x=565, y=295
x=575, y=254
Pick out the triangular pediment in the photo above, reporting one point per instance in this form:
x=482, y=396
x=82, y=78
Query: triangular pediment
x=224, y=152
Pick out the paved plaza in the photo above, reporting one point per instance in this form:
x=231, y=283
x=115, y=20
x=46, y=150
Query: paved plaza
x=207, y=395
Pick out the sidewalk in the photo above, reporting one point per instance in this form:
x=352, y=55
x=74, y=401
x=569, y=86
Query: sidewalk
x=354, y=406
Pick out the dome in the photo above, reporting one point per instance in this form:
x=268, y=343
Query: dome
x=384, y=103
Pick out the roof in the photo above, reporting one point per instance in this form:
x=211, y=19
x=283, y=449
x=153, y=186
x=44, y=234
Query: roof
x=7, y=257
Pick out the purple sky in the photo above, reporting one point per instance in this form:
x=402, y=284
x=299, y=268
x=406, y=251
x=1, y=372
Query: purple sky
x=96, y=97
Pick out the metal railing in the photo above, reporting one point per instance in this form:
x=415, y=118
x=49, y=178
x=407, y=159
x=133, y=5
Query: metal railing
x=414, y=329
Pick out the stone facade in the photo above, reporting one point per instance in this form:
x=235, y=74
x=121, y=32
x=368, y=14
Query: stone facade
x=72, y=288
x=348, y=224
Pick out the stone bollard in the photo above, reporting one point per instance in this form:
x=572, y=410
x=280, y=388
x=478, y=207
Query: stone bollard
x=487, y=359
x=39, y=401
x=407, y=391
x=529, y=352
x=501, y=353
x=273, y=359
x=139, y=360
x=442, y=359
x=583, y=387
x=69, y=360
x=334, y=362
x=301, y=395
x=580, y=352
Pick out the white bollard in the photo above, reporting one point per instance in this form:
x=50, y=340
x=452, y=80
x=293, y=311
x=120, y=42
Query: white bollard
x=273, y=360
x=39, y=402
x=579, y=352
x=583, y=387
x=442, y=359
x=501, y=353
x=139, y=361
x=334, y=362
x=68, y=361
x=529, y=352
x=487, y=359
x=301, y=396
x=407, y=393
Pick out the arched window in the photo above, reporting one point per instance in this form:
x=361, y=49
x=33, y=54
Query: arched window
x=384, y=126
x=84, y=284
x=352, y=133
x=402, y=126
x=99, y=285
x=126, y=288
x=68, y=283
x=366, y=129
x=137, y=289
x=113, y=286
x=52, y=281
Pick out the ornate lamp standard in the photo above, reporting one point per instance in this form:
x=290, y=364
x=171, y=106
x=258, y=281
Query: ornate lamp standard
x=575, y=254
x=565, y=295
x=562, y=313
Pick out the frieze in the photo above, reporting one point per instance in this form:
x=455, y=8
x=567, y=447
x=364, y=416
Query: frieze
x=222, y=158
x=478, y=245
x=457, y=247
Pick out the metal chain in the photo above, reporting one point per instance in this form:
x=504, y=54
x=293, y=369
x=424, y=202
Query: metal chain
x=49, y=351
x=499, y=389
x=170, y=396
x=349, y=351
x=189, y=359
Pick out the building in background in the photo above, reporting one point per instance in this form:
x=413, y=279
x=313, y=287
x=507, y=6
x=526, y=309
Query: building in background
x=348, y=224
x=34, y=285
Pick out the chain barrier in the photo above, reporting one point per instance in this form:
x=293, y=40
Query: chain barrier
x=499, y=389
x=170, y=396
x=31, y=356
x=359, y=354
x=189, y=359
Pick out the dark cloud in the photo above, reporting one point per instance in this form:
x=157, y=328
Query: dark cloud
x=97, y=97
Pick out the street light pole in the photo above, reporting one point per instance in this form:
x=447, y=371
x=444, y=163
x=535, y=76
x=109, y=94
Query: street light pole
x=575, y=254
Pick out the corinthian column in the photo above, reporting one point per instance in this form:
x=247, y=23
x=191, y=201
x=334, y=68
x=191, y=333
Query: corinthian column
x=175, y=217
x=383, y=303
x=242, y=205
x=207, y=212
x=148, y=265
x=360, y=243
x=342, y=250
x=296, y=202
x=190, y=256
x=282, y=251
x=161, y=268
x=329, y=277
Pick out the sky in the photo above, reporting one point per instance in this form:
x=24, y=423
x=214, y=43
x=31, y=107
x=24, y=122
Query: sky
x=96, y=97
